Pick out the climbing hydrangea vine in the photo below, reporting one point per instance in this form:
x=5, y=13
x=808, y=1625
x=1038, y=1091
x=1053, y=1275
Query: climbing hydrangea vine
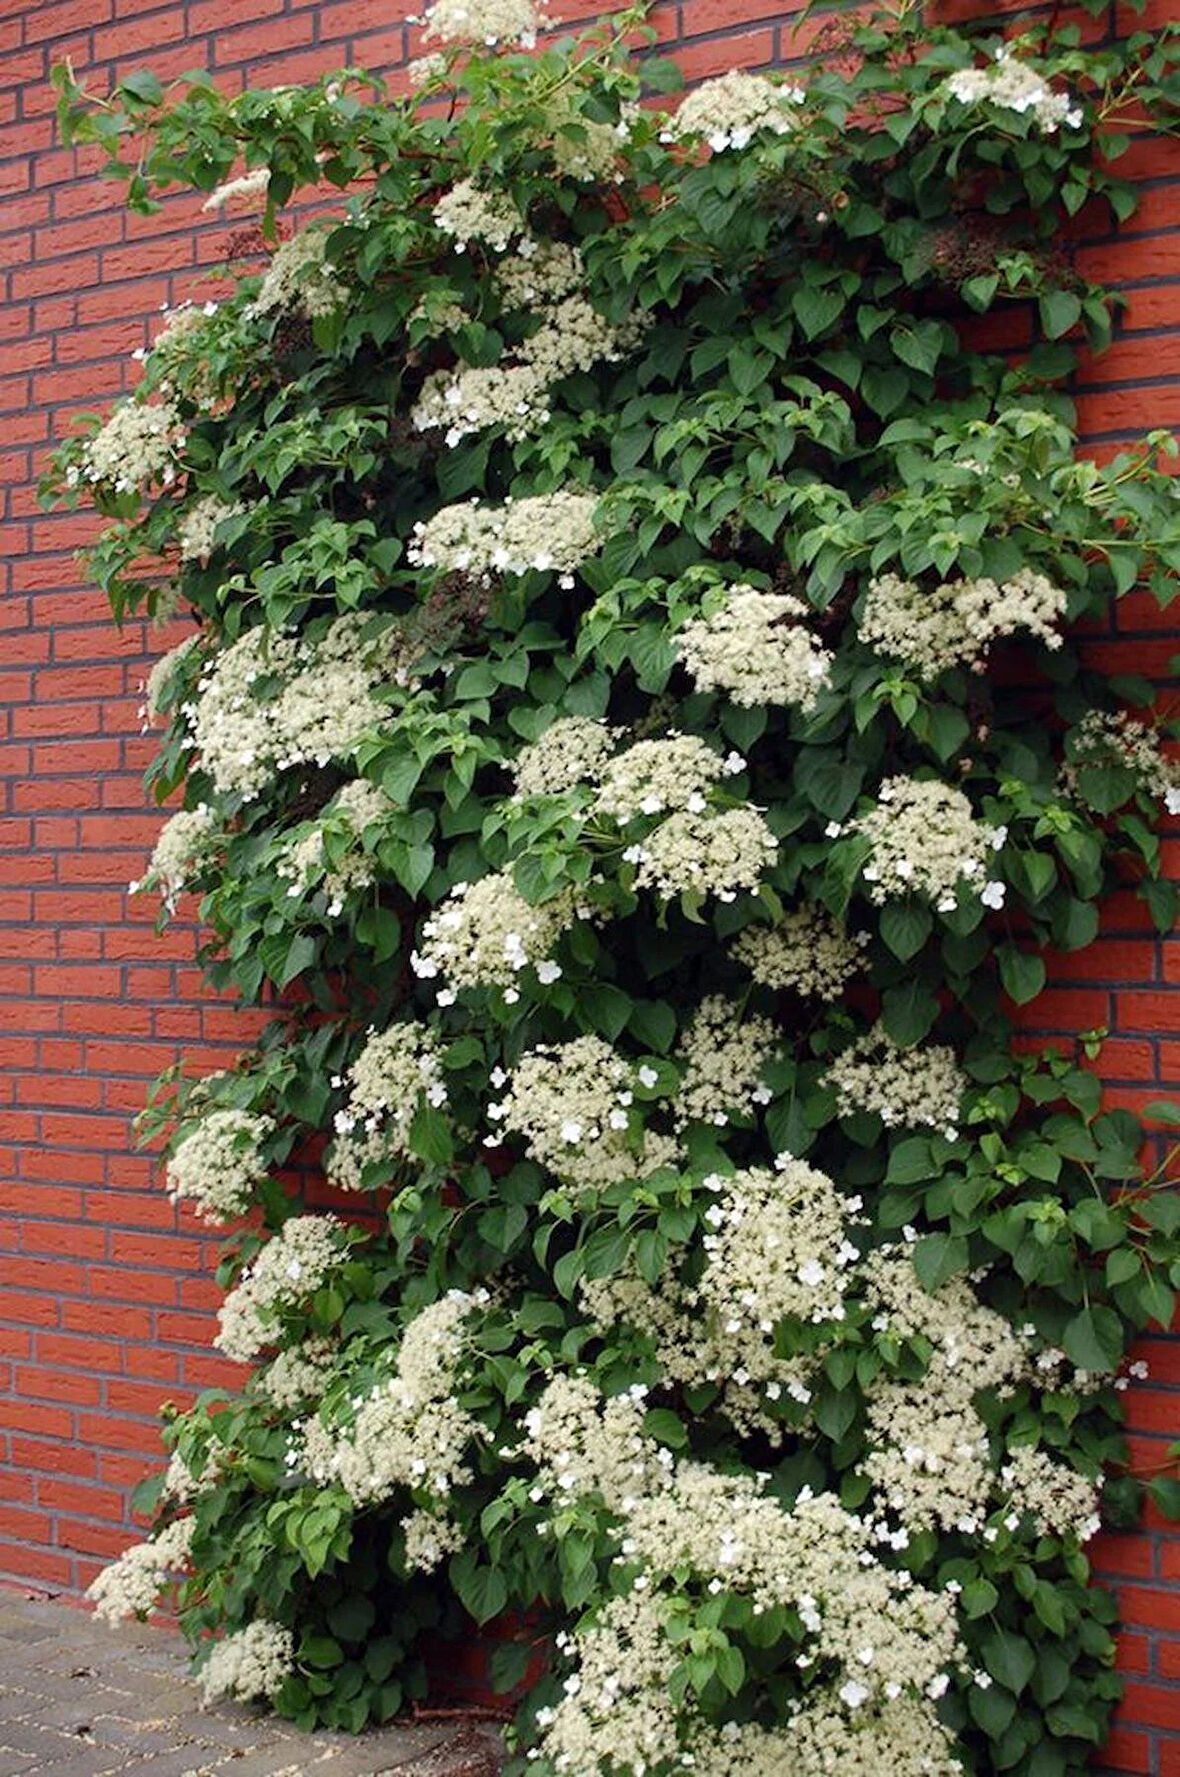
x=636, y=745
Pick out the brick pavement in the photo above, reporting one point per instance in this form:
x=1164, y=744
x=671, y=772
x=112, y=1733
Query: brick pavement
x=78, y=1699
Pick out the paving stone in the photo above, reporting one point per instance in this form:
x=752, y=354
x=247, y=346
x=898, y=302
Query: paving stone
x=80, y=1700
x=15, y=1764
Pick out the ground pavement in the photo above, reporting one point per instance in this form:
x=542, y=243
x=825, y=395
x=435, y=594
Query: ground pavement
x=78, y=1699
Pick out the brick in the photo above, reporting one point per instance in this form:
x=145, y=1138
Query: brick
x=1155, y=1704
x=37, y=1564
x=1127, y=1751
x=90, y=1502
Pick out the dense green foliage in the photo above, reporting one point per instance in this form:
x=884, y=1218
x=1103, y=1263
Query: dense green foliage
x=787, y=394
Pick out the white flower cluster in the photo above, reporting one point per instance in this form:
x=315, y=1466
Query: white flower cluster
x=777, y=1252
x=161, y=680
x=397, y=1071
x=574, y=1104
x=181, y=1486
x=1014, y=86
x=880, y=1636
x=249, y=190
x=926, y=840
x=901, y=1736
x=297, y=1374
x=1105, y=737
x=489, y=22
x=730, y=111
x=130, y=1586
x=409, y=1431
x=722, y=1056
x=929, y=1451
x=587, y=150
x=705, y=854
x=538, y=272
x=1060, y=1501
x=655, y=776
x=616, y=1714
x=584, y=1443
x=806, y=951
x=197, y=528
x=252, y=1662
x=219, y=1163
x=362, y=804
x=486, y=934
x=269, y=702
x=429, y=1540
x=438, y=315
x=467, y=214
x=514, y=393
x=906, y=1088
x=187, y=841
x=572, y=751
x=304, y=862
x=181, y=325
x=291, y=1266
x=956, y=623
x=300, y=279
x=423, y=71
x=756, y=649
x=180, y=357
x=547, y=532
x=136, y=447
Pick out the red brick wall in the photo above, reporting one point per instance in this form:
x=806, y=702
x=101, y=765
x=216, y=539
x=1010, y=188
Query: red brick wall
x=105, y=1295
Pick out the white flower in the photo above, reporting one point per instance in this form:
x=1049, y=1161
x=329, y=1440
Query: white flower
x=249, y=190
x=488, y=22
x=925, y=839
x=756, y=649
x=729, y=111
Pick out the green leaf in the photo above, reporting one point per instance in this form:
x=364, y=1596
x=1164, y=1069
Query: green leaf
x=661, y=75
x=908, y=1012
x=884, y=390
x=1163, y=903
x=301, y=954
x=918, y=344
x=144, y=86
x=606, y=1008
x=1023, y=974
x=430, y=1136
x=835, y=1412
x=320, y=1651
x=1010, y=1659
x=482, y=1590
x=992, y=1708
x=979, y=1598
x=938, y=1257
x=1093, y=1339
x=1060, y=310
x=665, y=1427
x=911, y=1162
x=352, y=1617
x=817, y=310
x=978, y=292
x=461, y=470
x=905, y=927
x=1165, y=1496
x=653, y=1023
